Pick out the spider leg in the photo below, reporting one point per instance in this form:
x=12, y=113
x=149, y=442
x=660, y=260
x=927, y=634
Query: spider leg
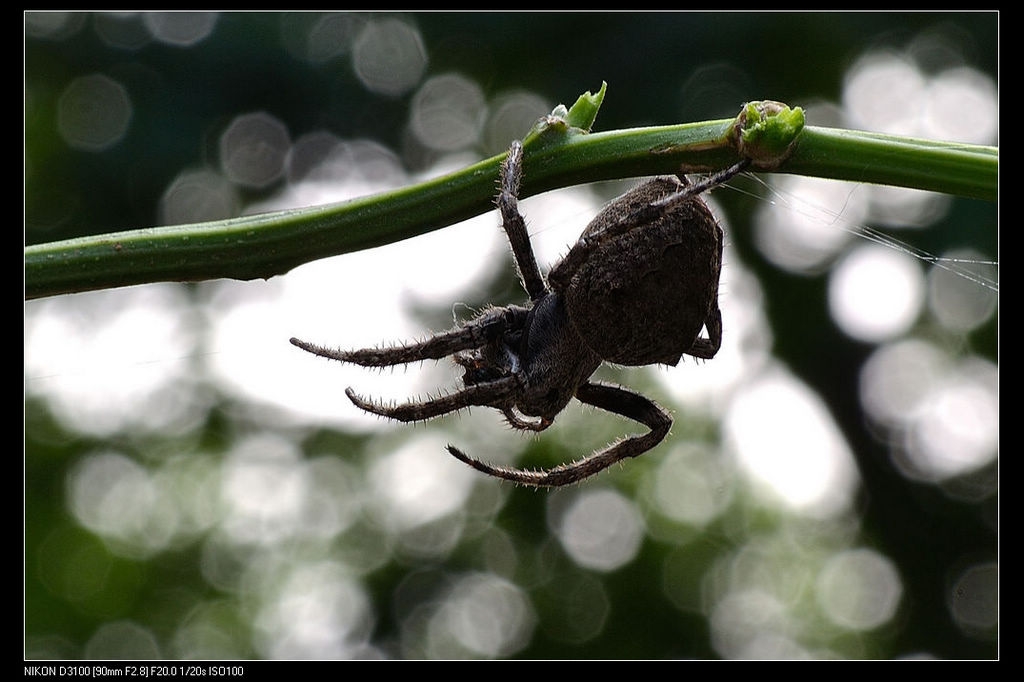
x=518, y=422
x=706, y=183
x=473, y=334
x=707, y=348
x=514, y=225
x=607, y=397
x=490, y=394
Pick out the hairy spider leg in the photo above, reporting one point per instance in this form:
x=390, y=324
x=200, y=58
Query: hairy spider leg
x=564, y=271
x=514, y=225
x=472, y=334
x=707, y=348
x=704, y=184
x=490, y=394
x=606, y=397
x=517, y=422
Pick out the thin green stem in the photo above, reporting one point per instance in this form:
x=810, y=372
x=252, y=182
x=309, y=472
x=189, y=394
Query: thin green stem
x=265, y=245
x=960, y=169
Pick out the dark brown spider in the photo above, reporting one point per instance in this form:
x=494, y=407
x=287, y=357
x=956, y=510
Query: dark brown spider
x=636, y=289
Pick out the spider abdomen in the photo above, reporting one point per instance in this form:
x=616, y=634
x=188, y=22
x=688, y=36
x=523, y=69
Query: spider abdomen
x=642, y=297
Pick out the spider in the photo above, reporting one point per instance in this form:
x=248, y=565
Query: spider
x=637, y=288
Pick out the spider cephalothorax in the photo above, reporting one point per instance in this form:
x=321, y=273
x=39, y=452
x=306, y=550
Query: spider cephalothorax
x=637, y=288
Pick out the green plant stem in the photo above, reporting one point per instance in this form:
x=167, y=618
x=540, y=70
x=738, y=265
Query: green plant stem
x=261, y=246
x=964, y=170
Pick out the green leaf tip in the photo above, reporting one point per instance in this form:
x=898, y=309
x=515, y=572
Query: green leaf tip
x=562, y=121
x=582, y=114
x=766, y=132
